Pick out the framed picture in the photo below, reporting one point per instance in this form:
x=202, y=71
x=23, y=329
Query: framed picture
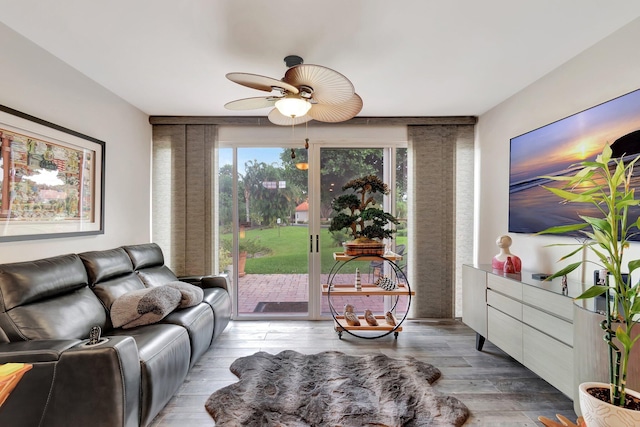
x=51, y=180
x=556, y=149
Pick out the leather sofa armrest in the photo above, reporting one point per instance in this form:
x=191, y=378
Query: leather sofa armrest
x=97, y=385
x=85, y=386
x=206, y=282
x=36, y=351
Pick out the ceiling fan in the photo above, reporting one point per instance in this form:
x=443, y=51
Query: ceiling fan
x=306, y=92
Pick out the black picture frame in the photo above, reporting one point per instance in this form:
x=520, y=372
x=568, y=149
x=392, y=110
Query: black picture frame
x=52, y=180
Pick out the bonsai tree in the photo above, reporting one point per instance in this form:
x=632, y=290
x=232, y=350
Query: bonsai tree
x=357, y=212
x=606, y=183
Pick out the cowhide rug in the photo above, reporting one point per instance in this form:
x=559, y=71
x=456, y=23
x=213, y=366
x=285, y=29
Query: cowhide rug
x=333, y=389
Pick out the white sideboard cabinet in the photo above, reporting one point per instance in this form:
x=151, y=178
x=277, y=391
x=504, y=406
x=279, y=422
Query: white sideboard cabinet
x=531, y=320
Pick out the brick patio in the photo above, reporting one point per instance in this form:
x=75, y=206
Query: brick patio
x=256, y=288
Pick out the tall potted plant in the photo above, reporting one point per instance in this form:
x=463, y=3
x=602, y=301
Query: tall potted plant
x=358, y=215
x=606, y=184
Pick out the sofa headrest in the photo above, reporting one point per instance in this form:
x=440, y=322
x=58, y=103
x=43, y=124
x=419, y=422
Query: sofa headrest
x=157, y=276
x=68, y=316
x=145, y=255
x=23, y=283
x=105, y=265
x=48, y=299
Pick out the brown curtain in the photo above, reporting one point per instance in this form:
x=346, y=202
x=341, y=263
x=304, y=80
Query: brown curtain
x=440, y=220
x=183, y=185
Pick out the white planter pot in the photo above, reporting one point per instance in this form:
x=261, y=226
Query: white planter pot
x=597, y=413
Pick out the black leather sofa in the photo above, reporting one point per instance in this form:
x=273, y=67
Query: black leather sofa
x=47, y=309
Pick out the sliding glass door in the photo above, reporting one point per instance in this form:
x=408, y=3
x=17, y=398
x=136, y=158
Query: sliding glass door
x=274, y=208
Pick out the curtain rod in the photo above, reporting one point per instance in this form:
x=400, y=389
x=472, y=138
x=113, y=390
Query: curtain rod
x=360, y=121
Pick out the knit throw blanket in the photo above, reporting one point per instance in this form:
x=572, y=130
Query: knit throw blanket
x=333, y=389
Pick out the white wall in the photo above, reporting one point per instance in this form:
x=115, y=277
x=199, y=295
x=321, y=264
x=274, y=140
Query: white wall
x=36, y=83
x=607, y=70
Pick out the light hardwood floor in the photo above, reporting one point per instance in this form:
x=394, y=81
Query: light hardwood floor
x=497, y=389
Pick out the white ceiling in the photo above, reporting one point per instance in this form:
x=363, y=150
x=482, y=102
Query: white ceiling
x=404, y=57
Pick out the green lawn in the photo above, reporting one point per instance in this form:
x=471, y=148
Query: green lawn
x=290, y=250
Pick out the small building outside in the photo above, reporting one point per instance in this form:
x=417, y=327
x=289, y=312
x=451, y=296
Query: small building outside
x=302, y=213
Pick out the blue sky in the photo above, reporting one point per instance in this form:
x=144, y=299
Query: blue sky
x=266, y=155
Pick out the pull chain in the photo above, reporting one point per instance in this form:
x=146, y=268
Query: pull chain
x=293, y=136
x=306, y=134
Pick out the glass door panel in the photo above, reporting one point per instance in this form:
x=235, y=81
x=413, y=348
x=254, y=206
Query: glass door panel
x=268, y=239
x=337, y=167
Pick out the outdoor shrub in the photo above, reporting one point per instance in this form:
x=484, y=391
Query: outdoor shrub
x=251, y=246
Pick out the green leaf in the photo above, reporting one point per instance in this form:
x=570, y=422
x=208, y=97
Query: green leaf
x=598, y=223
x=622, y=335
x=572, y=253
x=602, y=238
x=600, y=255
x=605, y=156
x=570, y=196
x=560, y=229
x=633, y=265
x=628, y=200
x=618, y=175
x=556, y=178
x=568, y=269
x=584, y=173
x=593, y=292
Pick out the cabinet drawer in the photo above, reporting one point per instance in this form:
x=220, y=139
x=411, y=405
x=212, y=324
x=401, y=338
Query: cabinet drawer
x=505, y=332
x=550, y=325
x=559, y=305
x=505, y=304
x=505, y=286
x=549, y=358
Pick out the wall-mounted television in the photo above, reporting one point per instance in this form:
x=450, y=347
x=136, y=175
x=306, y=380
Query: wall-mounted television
x=555, y=149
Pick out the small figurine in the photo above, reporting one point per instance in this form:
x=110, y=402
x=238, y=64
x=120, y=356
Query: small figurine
x=386, y=283
x=565, y=286
x=602, y=277
x=370, y=318
x=389, y=319
x=498, y=262
x=358, y=283
x=350, y=317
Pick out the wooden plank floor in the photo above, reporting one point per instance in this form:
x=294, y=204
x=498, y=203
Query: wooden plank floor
x=497, y=389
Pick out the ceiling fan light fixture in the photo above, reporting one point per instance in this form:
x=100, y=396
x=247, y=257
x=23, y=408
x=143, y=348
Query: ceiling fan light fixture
x=293, y=106
x=303, y=86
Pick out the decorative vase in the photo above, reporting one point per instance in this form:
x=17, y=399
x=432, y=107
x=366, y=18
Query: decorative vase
x=242, y=261
x=597, y=413
x=509, y=268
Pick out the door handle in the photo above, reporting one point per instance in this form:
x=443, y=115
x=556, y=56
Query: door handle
x=317, y=243
x=311, y=244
